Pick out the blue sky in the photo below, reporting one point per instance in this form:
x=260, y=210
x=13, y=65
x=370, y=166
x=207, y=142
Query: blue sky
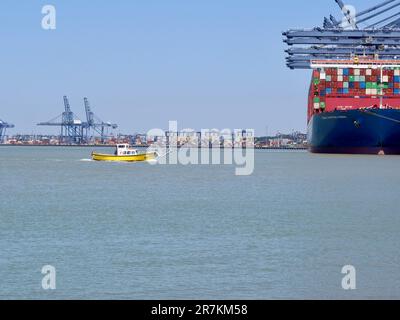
x=205, y=63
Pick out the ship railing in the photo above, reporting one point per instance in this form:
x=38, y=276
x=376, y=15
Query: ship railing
x=361, y=64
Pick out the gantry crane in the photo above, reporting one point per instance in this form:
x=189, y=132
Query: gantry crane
x=3, y=127
x=75, y=131
x=94, y=125
x=71, y=126
x=373, y=32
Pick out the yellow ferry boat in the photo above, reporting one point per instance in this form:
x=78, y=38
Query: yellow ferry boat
x=124, y=153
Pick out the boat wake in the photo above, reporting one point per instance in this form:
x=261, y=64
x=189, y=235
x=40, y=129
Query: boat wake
x=153, y=161
x=86, y=160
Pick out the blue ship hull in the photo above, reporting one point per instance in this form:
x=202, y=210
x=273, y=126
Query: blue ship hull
x=374, y=131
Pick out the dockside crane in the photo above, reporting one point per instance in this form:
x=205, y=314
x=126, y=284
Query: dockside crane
x=371, y=32
x=3, y=127
x=72, y=127
x=95, y=125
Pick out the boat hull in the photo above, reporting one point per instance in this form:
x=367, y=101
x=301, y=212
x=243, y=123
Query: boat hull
x=355, y=132
x=124, y=158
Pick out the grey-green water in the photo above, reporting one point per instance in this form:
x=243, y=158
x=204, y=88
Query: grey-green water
x=136, y=231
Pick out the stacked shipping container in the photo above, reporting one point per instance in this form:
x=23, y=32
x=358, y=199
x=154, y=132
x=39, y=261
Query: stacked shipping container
x=342, y=89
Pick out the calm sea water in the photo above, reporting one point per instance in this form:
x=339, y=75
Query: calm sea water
x=136, y=231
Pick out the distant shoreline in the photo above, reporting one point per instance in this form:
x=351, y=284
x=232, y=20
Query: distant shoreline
x=61, y=145
x=139, y=146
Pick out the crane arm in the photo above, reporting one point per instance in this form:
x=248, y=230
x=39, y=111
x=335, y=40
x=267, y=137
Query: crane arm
x=379, y=13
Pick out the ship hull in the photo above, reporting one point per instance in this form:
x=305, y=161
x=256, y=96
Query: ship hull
x=124, y=158
x=355, y=132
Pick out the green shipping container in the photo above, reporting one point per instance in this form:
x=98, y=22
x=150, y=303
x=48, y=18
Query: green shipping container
x=369, y=85
x=316, y=81
x=317, y=100
x=351, y=78
x=322, y=105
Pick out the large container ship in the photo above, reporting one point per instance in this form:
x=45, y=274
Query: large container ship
x=354, y=96
x=354, y=107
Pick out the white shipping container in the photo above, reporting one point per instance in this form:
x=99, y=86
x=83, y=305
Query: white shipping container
x=356, y=72
x=369, y=72
x=374, y=91
x=340, y=78
x=357, y=78
x=322, y=76
x=316, y=105
x=368, y=91
x=385, y=78
x=397, y=72
x=340, y=72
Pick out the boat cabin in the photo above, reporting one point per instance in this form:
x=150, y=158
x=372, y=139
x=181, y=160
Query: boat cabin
x=125, y=150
